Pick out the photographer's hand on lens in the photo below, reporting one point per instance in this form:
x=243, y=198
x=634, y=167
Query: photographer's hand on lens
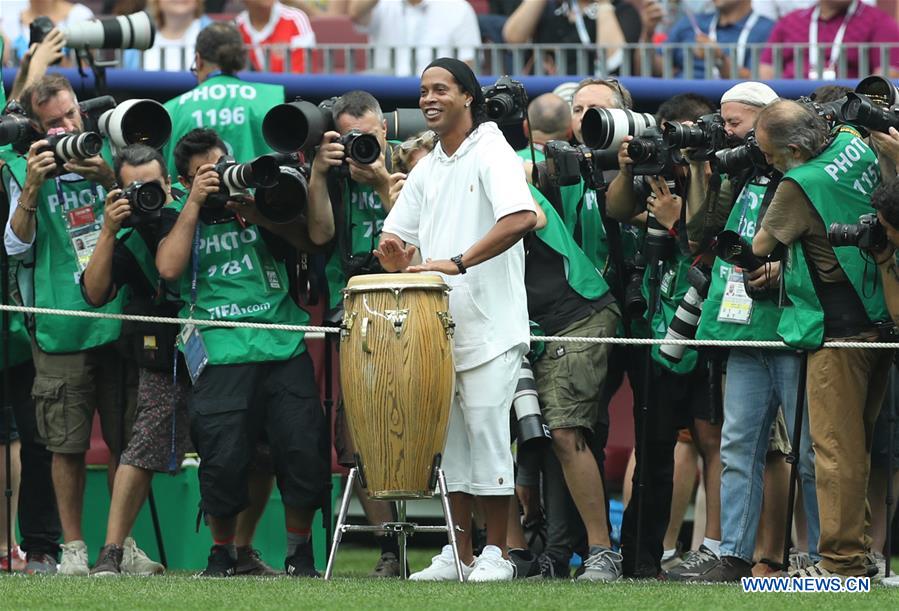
x=205, y=183
x=394, y=257
x=116, y=210
x=40, y=164
x=397, y=181
x=95, y=169
x=767, y=276
x=330, y=153
x=625, y=162
x=244, y=206
x=663, y=204
x=887, y=144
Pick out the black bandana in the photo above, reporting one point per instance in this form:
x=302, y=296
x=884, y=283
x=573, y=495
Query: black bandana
x=463, y=75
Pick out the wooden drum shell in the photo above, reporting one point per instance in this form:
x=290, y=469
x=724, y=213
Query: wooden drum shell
x=397, y=378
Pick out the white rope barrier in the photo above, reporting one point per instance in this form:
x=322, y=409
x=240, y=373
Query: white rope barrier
x=317, y=332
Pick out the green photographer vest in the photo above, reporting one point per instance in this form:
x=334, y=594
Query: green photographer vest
x=232, y=107
x=583, y=277
x=673, y=285
x=765, y=315
x=69, y=219
x=838, y=182
x=238, y=279
x=362, y=218
x=19, y=341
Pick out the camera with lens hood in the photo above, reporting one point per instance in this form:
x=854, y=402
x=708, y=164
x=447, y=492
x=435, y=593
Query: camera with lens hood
x=705, y=137
x=566, y=164
x=867, y=234
x=134, y=31
x=747, y=156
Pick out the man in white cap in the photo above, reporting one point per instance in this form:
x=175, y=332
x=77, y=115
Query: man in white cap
x=758, y=381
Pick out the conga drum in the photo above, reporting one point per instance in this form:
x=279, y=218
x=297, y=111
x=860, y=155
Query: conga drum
x=397, y=377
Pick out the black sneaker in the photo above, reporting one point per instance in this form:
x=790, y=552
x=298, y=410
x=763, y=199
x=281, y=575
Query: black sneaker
x=729, y=569
x=220, y=563
x=548, y=567
x=302, y=563
x=695, y=563
x=109, y=563
x=525, y=562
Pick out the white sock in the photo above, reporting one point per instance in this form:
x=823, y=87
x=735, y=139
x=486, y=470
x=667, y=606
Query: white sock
x=713, y=545
x=669, y=554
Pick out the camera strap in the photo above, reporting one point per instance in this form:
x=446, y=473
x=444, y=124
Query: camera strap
x=742, y=39
x=82, y=225
x=195, y=269
x=836, y=47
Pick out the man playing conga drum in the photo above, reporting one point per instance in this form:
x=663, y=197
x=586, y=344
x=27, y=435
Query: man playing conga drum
x=466, y=206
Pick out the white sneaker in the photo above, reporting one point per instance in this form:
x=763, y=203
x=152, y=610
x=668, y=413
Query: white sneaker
x=443, y=568
x=491, y=566
x=74, y=559
x=136, y=562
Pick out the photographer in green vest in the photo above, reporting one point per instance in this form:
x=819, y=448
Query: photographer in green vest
x=567, y=295
x=835, y=294
x=359, y=195
x=55, y=220
x=683, y=398
x=229, y=264
x=234, y=108
x=760, y=382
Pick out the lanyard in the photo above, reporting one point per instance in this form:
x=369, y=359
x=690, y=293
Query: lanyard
x=61, y=200
x=579, y=23
x=836, y=47
x=195, y=263
x=742, y=39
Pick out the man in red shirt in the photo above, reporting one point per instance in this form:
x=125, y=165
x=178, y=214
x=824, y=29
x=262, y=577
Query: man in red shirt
x=833, y=24
x=268, y=23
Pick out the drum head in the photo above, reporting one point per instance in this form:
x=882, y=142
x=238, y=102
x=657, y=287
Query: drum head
x=389, y=282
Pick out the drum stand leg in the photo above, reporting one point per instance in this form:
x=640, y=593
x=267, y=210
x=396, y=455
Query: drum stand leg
x=341, y=521
x=450, y=526
x=402, y=538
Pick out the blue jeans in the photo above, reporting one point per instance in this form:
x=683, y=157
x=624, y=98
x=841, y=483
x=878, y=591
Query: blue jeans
x=758, y=382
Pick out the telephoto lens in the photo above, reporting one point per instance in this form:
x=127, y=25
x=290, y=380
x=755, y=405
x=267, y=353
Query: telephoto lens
x=686, y=318
x=67, y=147
x=658, y=244
x=532, y=427
x=286, y=201
x=605, y=128
x=867, y=234
x=16, y=129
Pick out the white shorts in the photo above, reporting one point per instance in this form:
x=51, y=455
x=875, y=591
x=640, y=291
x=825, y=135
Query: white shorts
x=478, y=455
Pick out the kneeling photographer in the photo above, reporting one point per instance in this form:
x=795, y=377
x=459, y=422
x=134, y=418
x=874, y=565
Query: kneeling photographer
x=651, y=172
x=227, y=259
x=744, y=304
x=828, y=178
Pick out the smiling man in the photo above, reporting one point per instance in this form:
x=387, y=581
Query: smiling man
x=467, y=206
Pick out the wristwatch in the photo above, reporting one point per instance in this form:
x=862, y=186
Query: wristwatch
x=458, y=261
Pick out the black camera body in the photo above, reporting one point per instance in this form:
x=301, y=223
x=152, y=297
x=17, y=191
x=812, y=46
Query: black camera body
x=651, y=154
x=747, y=156
x=634, y=302
x=706, y=136
x=506, y=101
x=861, y=111
x=39, y=29
x=567, y=164
x=867, y=234
x=16, y=129
x=146, y=200
x=362, y=148
x=236, y=179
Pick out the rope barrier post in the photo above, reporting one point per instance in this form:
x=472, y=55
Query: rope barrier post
x=328, y=501
x=793, y=456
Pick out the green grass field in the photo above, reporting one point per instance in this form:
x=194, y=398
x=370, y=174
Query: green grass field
x=351, y=590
